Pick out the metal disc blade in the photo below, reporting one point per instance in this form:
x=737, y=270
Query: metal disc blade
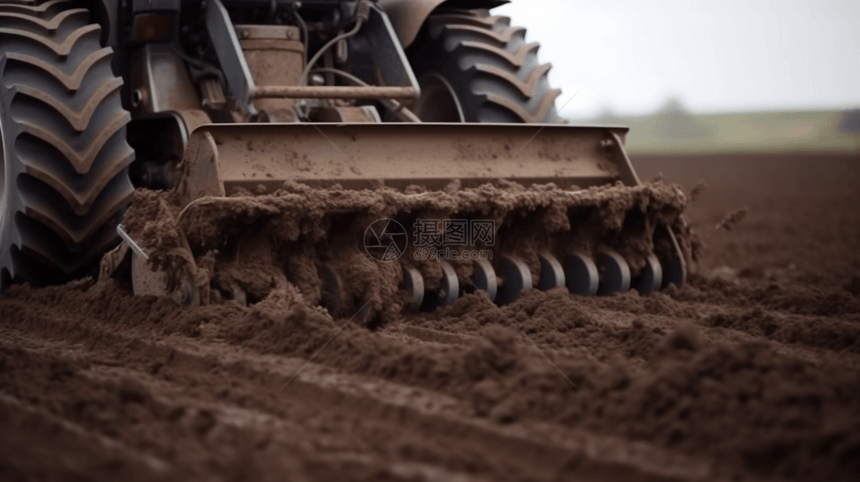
x=333, y=294
x=336, y=299
x=651, y=276
x=671, y=261
x=413, y=284
x=581, y=274
x=517, y=278
x=146, y=282
x=551, y=272
x=449, y=292
x=673, y=271
x=614, y=272
x=450, y=284
x=485, y=278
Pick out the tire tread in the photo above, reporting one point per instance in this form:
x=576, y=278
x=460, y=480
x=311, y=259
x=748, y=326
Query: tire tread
x=494, y=71
x=64, y=132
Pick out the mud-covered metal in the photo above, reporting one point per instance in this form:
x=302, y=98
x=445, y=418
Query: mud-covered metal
x=516, y=278
x=614, y=272
x=650, y=279
x=449, y=292
x=581, y=274
x=485, y=278
x=551, y=273
x=222, y=161
x=149, y=282
x=275, y=56
x=413, y=286
x=366, y=156
x=146, y=280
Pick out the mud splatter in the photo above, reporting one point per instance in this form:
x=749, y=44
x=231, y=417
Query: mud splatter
x=733, y=219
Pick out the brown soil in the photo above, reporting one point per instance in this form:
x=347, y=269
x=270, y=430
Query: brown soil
x=750, y=371
x=312, y=229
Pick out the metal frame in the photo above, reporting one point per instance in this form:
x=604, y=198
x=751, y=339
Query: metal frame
x=392, y=65
x=425, y=154
x=237, y=75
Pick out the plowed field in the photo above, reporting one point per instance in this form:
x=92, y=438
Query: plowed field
x=749, y=371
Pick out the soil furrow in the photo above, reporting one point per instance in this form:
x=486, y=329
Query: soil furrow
x=513, y=448
x=750, y=371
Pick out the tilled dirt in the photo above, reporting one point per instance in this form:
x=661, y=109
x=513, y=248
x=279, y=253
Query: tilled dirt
x=311, y=229
x=750, y=371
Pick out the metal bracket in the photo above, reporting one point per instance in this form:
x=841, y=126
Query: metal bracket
x=237, y=75
x=201, y=177
x=616, y=152
x=160, y=82
x=676, y=266
x=391, y=65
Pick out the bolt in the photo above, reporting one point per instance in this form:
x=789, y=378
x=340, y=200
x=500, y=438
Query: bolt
x=317, y=79
x=137, y=97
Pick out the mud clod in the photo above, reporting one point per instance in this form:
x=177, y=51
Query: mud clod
x=854, y=286
x=60, y=371
x=132, y=390
x=698, y=190
x=733, y=219
x=685, y=336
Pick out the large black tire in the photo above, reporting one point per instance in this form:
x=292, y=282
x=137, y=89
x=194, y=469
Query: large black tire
x=65, y=173
x=486, y=64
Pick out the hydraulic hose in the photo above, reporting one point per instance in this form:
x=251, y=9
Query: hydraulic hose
x=362, y=13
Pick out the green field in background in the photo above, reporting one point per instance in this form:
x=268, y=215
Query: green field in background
x=674, y=131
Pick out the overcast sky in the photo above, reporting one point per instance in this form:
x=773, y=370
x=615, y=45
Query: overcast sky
x=713, y=55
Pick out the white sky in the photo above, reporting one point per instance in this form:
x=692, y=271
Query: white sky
x=713, y=55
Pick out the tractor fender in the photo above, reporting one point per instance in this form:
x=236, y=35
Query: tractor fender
x=407, y=16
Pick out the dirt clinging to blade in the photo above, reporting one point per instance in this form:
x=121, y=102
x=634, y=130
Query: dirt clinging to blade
x=295, y=235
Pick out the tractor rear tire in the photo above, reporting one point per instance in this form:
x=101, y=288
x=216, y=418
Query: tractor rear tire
x=65, y=183
x=474, y=67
